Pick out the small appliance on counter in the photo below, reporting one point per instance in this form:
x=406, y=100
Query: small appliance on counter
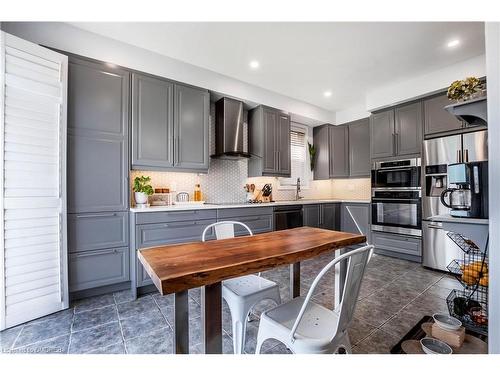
x=182, y=199
x=161, y=197
x=468, y=190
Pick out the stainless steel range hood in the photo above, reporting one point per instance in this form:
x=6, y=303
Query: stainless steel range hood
x=230, y=130
x=473, y=112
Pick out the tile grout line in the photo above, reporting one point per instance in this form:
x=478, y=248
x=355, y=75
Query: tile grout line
x=120, y=324
x=163, y=315
x=71, y=330
x=17, y=337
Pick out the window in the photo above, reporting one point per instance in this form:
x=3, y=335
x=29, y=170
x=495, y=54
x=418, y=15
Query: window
x=299, y=159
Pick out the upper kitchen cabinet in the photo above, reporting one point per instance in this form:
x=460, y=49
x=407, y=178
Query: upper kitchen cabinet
x=339, y=151
x=169, y=125
x=98, y=98
x=152, y=122
x=408, y=126
x=269, y=142
x=437, y=119
x=359, y=148
x=396, y=132
x=191, y=112
x=382, y=138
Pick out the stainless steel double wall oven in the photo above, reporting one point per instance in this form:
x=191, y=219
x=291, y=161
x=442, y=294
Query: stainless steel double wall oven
x=397, y=197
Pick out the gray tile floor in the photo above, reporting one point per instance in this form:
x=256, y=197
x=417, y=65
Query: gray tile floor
x=394, y=296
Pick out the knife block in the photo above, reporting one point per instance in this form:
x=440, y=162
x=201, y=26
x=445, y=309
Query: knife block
x=260, y=198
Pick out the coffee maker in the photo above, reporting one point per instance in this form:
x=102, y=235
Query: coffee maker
x=467, y=190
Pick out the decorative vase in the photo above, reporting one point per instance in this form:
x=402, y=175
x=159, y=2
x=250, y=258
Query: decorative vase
x=141, y=198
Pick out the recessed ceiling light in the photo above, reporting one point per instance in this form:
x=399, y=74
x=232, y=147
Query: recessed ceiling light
x=327, y=94
x=254, y=64
x=453, y=43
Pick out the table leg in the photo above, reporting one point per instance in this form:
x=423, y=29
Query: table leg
x=181, y=323
x=295, y=280
x=211, y=313
x=340, y=275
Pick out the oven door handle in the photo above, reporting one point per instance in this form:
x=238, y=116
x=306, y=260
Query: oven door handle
x=388, y=200
x=394, y=170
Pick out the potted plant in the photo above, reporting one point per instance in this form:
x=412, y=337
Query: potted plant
x=142, y=189
x=312, y=155
x=466, y=89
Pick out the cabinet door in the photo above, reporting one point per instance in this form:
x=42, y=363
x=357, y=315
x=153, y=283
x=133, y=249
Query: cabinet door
x=339, y=151
x=270, y=118
x=98, y=98
x=92, y=269
x=191, y=111
x=322, y=145
x=436, y=118
x=283, y=141
x=359, y=214
x=359, y=148
x=311, y=215
x=97, y=174
x=409, y=129
x=152, y=122
x=382, y=134
x=330, y=214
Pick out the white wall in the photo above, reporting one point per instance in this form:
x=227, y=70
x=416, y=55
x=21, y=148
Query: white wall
x=493, y=74
x=351, y=114
x=398, y=92
x=69, y=38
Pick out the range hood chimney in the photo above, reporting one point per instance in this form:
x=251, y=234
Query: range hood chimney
x=474, y=112
x=229, y=130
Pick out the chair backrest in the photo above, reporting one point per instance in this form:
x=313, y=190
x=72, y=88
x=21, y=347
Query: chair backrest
x=357, y=261
x=224, y=229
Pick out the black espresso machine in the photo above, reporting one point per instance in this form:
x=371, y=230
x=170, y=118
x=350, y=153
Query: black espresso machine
x=467, y=190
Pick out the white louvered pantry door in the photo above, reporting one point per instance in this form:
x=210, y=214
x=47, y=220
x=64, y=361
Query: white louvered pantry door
x=33, y=206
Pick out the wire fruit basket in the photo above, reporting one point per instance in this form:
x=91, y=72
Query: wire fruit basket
x=470, y=305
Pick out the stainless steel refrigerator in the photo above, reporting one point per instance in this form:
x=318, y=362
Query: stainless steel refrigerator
x=438, y=153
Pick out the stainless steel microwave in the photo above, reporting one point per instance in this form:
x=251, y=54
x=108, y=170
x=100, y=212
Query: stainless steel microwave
x=396, y=174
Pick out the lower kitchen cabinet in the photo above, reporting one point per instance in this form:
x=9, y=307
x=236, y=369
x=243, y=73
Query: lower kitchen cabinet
x=258, y=219
x=311, y=215
x=356, y=213
x=396, y=245
x=92, y=269
x=326, y=215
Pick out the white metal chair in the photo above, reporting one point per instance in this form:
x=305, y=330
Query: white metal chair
x=242, y=293
x=307, y=327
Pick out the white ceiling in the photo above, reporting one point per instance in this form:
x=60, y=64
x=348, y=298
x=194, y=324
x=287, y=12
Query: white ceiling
x=302, y=60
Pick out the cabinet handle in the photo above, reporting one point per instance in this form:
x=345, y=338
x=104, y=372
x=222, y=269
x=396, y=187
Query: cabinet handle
x=82, y=216
x=279, y=161
x=91, y=253
x=180, y=225
x=434, y=226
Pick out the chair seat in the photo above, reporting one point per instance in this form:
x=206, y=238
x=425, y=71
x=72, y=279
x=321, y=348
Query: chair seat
x=317, y=324
x=245, y=286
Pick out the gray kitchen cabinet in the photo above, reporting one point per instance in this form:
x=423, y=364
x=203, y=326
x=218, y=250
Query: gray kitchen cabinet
x=321, y=141
x=339, y=151
x=92, y=269
x=408, y=129
x=356, y=213
x=311, y=215
x=330, y=216
x=399, y=246
x=97, y=173
x=382, y=138
x=152, y=122
x=97, y=137
x=191, y=143
x=359, y=148
x=283, y=141
x=437, y=119
x=332, y=151
x=397, y=131
x=97, y=231
x=269, y=142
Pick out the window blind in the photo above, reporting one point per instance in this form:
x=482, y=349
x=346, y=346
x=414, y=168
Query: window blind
x=298, y=155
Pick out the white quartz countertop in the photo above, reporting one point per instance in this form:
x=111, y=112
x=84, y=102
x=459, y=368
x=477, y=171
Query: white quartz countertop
x=208, y=206
x=462, y=220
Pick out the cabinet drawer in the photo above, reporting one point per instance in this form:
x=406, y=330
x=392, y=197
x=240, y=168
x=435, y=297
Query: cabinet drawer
x=257, y=224
x=97, y=231
x=227, y=213
x=170, y=216
x=92, y=269
x=148, y=235
x=397, y=243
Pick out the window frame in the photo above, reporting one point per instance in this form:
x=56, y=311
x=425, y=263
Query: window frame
x=304, y=185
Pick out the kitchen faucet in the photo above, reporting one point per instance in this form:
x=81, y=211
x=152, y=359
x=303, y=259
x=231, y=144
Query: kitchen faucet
x=297, y=190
